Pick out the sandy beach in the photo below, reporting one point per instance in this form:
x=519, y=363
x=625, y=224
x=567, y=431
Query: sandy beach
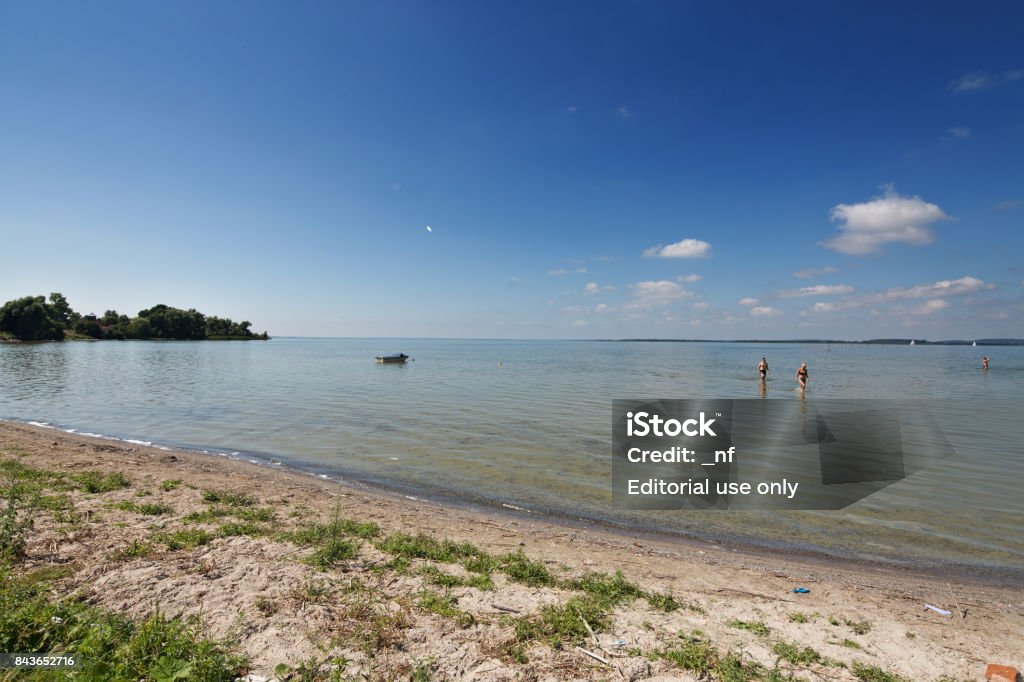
x=195, y=534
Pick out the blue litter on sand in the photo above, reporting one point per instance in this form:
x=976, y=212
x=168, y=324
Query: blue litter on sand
x=801, y=590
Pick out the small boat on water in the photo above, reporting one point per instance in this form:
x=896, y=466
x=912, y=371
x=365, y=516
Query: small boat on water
x=396, y=359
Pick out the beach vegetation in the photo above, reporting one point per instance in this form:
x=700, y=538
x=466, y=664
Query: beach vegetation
x=444, y=605
x=98, y=482
x=691, y=653
x=148, y=509
x=184, y=538
x=860, y=628
x=422, y=546
x=664, y=601
x=14, y=525
x=561, y=624
x=109, y=646
x=794, y=655
x=871, y=673
x=758, y=627
x=233, y=529
x=227, y=497
x=798, y=617
x=170, y=484
x=135, y=550
x=435, y=576
x=520, y=568
x=850, y=644
x=608, y=590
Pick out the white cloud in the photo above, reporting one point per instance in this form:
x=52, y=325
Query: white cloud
x=983, y=80
x=764, y=311
x=830, y=307
x=602, y=308
x=562, y=271
x=624, y=112
x=647, y=295
x=865, y=227
x=810, y=273
x=592, y=288
x=689, y=278
x=959, y=132
x=579, y=323
x=946, y=287
x=701, y=306
x=929, y=307
x=687, y=248
x=817, y=290
x=749, y=300
x=571, y=110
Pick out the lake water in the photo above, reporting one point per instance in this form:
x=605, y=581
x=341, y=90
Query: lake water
x=527, y=424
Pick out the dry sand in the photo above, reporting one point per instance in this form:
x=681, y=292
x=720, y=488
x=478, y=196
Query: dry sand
x=260, y=594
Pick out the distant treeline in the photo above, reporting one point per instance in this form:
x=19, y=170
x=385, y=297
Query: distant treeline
x=894, y=342
x=34, y=318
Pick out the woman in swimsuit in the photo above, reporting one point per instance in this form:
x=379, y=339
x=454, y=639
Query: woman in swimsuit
x=762, y=367
x=801, y=377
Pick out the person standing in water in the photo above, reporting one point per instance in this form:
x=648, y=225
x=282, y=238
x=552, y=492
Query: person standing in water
x=801, y=377
x=762, y=369
x=984, y=362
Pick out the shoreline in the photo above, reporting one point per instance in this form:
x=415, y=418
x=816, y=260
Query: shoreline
x=740, y=600
x=747, y=546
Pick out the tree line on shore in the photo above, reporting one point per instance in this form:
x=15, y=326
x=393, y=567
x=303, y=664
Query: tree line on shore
x=36, y=318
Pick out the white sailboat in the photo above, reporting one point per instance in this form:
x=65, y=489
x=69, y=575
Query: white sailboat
x=974, y=344
x=911, y=342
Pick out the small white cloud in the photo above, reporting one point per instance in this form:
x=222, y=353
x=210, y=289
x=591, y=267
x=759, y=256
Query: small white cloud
x=929, y=307
x=764, y=311
x=647, y=295
x=562, y=271
x=602, y=308
x=959, y=132
x=749, y=300
x=817, y=290
x=592, y=288
x=865, y=227
x=810, y=273
x=579, y=323
x=624, y=112
x=687, y=248
x=571, y=110
x=689, y=278
x=983, y=80
x=945, y=288
x=701, y=306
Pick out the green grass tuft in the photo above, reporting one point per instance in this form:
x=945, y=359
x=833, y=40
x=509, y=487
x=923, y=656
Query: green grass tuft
x=758, y=627
x=98, y=482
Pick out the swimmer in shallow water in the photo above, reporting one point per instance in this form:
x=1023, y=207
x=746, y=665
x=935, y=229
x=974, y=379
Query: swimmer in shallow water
x=984, y=362
x=801, y=377
x=762, y=369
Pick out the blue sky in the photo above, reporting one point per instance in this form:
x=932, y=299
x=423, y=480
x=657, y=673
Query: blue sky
x=589, y=170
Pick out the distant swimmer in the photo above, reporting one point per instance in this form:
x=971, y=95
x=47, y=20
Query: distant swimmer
x=984, y=362
x=801, y=377
x=762, y=369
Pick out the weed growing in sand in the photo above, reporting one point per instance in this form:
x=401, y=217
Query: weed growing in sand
x=793, y=654
x=110, y=646
x=149, y=509
x=758, y=627
x=254, y=514
x=136, y=550
x=229, y=498
x=423, y=672
x=444, y=605
x=664, y=602
x=607, y=590
x=861, y=628
x=436, y=576
x=559, y=624
x=12, y=530
x=522, y=569
x=798, y=617
x=832, y=620
x=265, y=606
x=98, y=482
x=850, y=644
x=185, y=538
x=692, y=654
x=170, y=484
x=425, y=547
x=871, y=673
x=318, y=533
x=232, y=529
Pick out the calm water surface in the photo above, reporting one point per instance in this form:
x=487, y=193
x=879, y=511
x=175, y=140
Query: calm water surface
x=535, y=430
